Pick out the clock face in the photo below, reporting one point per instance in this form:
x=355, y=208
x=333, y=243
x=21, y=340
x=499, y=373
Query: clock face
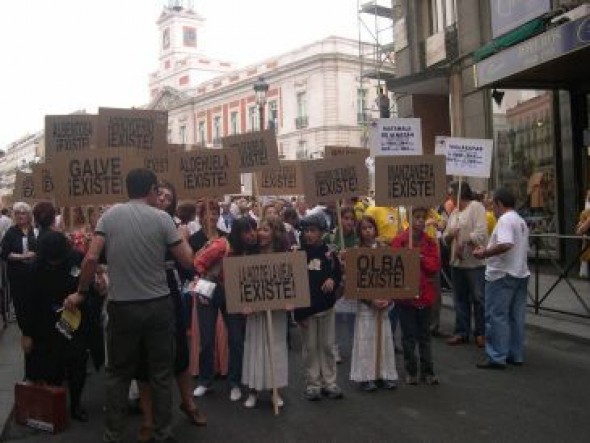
x=166, y=38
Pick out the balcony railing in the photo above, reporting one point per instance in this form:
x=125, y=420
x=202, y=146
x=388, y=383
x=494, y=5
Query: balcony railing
x=301, y=122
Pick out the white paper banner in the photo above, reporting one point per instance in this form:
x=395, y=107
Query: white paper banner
x=469, y=157
x=396, y=136
x=439, y=145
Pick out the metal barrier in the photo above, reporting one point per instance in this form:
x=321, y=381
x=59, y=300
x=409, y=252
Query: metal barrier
x=545, y=246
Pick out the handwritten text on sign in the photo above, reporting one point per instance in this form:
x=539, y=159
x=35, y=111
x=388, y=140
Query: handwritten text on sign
x=132, y=128
x=69, y=133
x=201, y=173
x=266, y=281
x=284, y=180
x=382, y=273
x=410, y=180
x=257, y=150
x=334, y=179
x=396, y=136
x=469, y=157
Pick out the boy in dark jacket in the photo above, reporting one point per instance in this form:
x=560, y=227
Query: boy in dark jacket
x=317, y=321
x=415, y=314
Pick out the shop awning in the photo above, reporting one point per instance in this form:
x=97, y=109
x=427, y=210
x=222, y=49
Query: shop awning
x=432, y=82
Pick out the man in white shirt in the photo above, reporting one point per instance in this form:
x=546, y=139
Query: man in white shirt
x=507, y=276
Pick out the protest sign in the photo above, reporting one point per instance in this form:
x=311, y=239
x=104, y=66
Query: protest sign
x=266, y=281
x=286, y=179
x=157, y=161
x=337, y=151
x=7, y=200
x=139, y=129
x=257, y=150
x=95, y=177
x=396, y=136
x=72, y=133
x=24, y=187
x=205, y=173
x=382, y=273
x=410, y=180
x=469, y=157
x=332, y=179
x=43, y=181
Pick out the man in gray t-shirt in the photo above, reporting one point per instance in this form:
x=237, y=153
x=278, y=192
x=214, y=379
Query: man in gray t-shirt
x=136, y=237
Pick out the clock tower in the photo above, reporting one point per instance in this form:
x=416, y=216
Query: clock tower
x=181, y=63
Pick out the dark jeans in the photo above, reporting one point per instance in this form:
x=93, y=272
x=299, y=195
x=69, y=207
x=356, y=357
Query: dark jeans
x=435, y=319
x=133, y=328
x=236, y=328
x=468, y=290
x=415, y=325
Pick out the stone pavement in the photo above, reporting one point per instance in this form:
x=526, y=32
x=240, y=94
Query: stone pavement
x=11, y=370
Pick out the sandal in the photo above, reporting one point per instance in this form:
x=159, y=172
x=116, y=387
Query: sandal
x=195, y=416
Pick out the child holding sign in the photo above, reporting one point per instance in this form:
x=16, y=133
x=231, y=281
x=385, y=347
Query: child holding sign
x=317, y=321
x=363, y=367
x=415, y=314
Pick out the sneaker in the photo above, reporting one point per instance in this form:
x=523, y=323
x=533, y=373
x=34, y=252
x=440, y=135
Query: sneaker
x=368, y=386
x=337, y=356
x=489, y=364
x=235, y=394
x=333, y=392
x=389, y=384
x=411, y=380
x=280, y=402
x=431, y=380
x=200, y=391
x=251, y=401
x=312, y=393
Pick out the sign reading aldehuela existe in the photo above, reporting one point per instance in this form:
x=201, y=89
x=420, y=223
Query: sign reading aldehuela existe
x=396, y=136
x=333, y=179
x=382, y=273
x=69, y=133
x=257, y=150
x=283, y=180
x=469, y=157
x=205, y=173
x=139, y=129
x=266, y=281
x=410, y=180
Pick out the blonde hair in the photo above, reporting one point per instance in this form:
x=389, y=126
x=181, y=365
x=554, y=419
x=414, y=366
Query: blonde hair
x=22, y=207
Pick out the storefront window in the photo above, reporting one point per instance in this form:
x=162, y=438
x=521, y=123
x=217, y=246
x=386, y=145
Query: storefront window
x=525, y=155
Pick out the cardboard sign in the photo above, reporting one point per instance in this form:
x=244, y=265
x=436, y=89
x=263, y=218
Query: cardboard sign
x=284, y=180
x=72, y=133
x=266, y=281
x=382, y=273
x=139, y=129
x=7, y=200
x=24, y=187
x=159, y=162
x=43, y=181
x=334, y=179
x=410, y=180
x=257, y=150
x=95, y=177
x=469, y=157
x=337, y=151
x=205, y=173
x=396, y=136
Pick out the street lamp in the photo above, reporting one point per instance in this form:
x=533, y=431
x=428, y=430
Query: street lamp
x=261, y=89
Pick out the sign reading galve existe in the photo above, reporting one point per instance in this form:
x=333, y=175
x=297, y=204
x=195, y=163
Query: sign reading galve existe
x=333, y=179
x=139, y=129
x=283, y=180
x=95, y=177
x=396, y=136
x=257, y=150
x=469, y=157
x=410, y=180
x=382, y=273
x=72, y=133
x=266, y=281
x=205, y=173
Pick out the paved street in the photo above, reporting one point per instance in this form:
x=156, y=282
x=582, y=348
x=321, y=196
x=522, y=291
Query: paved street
x=544, y=401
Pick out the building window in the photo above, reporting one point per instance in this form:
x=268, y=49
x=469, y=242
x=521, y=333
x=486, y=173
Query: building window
x=234, y=122
x=301, y=150
x=182, y=134
x=301, y=120
x=361, y=105
x=166, y=38
x=273, y=115
x=443, y=13
x=253, y=118
x=217, y=131
x=189, y=36
x=183, y=80
x=202, y=139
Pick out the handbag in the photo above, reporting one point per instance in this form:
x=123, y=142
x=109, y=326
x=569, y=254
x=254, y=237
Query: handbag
x=204, y=286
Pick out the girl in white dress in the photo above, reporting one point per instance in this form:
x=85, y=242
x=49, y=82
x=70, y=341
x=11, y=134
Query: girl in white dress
x=362, y=368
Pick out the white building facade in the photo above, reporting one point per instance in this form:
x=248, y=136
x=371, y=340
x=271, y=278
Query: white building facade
x=19, y=155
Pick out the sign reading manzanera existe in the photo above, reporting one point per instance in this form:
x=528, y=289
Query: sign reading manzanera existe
x=72, y=133
x=333, y=179
x=205, y=173
x=285, y=179
x=410, y=180
x=382, y=273
x=139, y=129
x=266, y=281
x=257, y=150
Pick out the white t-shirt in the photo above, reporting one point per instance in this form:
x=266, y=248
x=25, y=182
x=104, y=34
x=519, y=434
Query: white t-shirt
x=511, y=229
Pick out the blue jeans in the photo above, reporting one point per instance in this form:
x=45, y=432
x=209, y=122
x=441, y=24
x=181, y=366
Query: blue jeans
x=236, y=327
x=468, y=291
x=505, y=308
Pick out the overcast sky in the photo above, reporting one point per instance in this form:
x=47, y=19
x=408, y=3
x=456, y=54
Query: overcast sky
x=59, y=56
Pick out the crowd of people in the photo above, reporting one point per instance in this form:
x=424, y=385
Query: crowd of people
x=123, y=288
